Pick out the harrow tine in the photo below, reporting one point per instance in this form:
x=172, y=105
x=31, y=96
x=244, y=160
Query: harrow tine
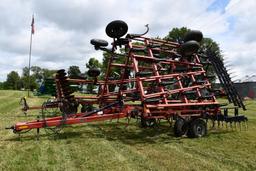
x=213, y=123
x=117, y=121
x=19, y=136
x=246, y=125
x=111, y=120
x=128, y=122
x=158, y=123
x=170, y=121
x=37, y=133
x=137, y=120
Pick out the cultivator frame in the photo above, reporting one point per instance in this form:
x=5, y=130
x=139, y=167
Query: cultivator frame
x=165, y=79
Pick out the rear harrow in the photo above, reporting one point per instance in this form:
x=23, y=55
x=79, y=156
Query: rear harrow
x=49, y=107
x=166, y=80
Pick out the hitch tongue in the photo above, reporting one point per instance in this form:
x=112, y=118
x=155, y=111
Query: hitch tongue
x=12, y=127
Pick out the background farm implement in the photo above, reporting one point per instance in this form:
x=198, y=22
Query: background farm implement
x=149, y=79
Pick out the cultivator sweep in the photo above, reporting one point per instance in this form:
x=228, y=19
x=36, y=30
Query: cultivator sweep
x=150, y=79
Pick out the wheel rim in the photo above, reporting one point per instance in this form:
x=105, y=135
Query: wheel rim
x=200, y=130
x=146, y=122
x=150, y=123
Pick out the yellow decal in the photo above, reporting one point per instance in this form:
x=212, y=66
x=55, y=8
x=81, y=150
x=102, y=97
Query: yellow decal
x=23, y=127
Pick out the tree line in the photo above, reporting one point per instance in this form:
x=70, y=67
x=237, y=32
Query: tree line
x=14, y=81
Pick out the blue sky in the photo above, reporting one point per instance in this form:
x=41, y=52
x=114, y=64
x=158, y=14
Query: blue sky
x=218, y=5
x=64, y=28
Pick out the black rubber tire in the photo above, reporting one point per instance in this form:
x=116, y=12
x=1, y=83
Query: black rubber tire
x=99, y=42
x=151, y=122
x=195, y=35
x=93, y=72
x=197, y=128
x=189, y=48
x=116, y=29
x=180, y=127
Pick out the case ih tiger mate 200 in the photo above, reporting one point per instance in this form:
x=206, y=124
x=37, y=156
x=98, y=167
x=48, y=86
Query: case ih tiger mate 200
x=148, y=79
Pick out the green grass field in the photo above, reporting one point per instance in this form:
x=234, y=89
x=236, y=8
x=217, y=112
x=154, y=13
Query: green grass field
x=113, y=146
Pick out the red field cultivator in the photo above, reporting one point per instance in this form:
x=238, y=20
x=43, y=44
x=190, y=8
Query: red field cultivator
x=149, y=79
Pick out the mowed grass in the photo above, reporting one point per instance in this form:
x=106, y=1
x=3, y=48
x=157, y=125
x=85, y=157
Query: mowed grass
x=110, y=145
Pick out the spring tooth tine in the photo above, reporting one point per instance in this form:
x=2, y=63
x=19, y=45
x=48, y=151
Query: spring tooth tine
x=246, y=125
x=128, y=121
x=240, y=126
x=171, y=121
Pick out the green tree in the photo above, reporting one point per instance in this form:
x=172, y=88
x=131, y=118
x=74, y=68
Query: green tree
x=176, y=34
x=47, y=73
x=74, y=72
x=1, y=85
x=13, y=81
x=37, y=73
x=25, y=71
x=25, y=79
x=40, y=73
x=92, y=63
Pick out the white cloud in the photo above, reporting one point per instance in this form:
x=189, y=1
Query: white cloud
x=240, y=42
x=244, y=12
